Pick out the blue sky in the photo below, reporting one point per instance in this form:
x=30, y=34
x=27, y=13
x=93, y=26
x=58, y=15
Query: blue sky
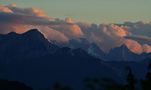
x=96, y=11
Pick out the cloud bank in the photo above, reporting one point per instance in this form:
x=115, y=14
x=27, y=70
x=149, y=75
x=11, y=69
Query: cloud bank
x=136, y=36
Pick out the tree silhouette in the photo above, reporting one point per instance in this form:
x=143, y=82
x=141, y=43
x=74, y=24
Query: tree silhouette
x=130, y=80
x=110, y=84
x=102, y=84
x=146, y=84
x=13, y=85
x=58, y=86
x=89, y=84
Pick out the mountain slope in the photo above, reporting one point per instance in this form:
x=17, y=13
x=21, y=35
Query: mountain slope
x=31, y=59
x=122, y=53
x=27, y=45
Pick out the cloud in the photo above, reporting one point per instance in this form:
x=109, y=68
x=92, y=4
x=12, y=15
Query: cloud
x=5, y=9
x=139, y=28
x=119, y=31
x=134, y=46
x=53, y=35
x=146, y=48
x=70, y=30
x=14, y=19
x=106, y=36
x=68, y=20
x=26, y=11
x=141, y=39
x=21, y=19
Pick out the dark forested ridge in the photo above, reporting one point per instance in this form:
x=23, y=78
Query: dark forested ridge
x=13, y=85
x=33, y=60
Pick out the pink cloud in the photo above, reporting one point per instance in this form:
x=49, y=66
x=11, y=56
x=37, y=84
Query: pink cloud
x=133, y=46
x=105, y=36
x=5, y=9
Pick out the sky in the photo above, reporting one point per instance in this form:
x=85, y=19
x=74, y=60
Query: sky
x=93, y=11
x=136, y=36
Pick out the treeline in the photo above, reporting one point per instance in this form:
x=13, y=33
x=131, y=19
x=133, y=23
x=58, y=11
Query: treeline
x=91, y=83
x=109, y=84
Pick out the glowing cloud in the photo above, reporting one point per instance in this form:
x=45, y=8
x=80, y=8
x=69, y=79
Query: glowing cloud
x=105, y=36
x=68, y=20
x=146, y=48
x=26, y=11
x=119, y=31
x=53, y=35
x=133, y=46
x=5, y=9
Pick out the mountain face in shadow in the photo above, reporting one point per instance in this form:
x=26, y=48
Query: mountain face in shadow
x=27, y=45
x=32, y=59
x=89, y=47
x=122, y=53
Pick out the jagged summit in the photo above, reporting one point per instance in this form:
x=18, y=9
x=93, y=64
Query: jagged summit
x=29, y=32
x=34, y=35
x=29, y=44
x=12, y=33
x=9, y=34
x=32, y=31
x=122, y=53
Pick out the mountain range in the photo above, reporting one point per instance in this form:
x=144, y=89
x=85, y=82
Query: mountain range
x=32, y=59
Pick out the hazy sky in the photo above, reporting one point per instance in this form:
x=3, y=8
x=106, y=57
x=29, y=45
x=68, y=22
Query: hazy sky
x=97, y=11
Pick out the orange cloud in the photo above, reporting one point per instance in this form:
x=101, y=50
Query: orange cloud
x=53, y=35
x=105, y=36
x=36, y=12
x=68, y=20
x=133, y=46
x=26, y=11
x=5, y=9
x=120, y=31
x=146, y=48
x=70, y=30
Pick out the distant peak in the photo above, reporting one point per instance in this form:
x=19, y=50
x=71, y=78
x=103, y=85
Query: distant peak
x=121, y=48
x=12, y=33
x=32, y=31
x=124, y=46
